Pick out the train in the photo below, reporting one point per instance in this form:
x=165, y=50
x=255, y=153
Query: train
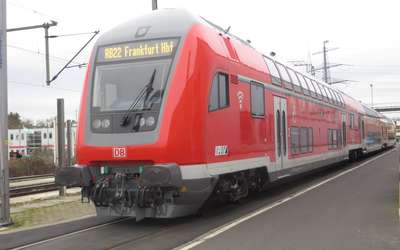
x=176, y=111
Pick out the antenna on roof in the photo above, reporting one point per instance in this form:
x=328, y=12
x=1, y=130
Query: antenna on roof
x=227, y=30
x=272, y=54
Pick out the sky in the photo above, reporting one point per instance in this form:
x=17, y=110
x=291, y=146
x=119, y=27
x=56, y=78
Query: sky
x=363, y=35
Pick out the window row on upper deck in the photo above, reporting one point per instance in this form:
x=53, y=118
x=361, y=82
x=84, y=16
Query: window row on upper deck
x=290, y=79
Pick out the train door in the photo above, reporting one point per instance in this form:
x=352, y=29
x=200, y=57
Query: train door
x=281, y=147
x=344, y=129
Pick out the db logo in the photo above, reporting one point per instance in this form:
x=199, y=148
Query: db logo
x=119, y=152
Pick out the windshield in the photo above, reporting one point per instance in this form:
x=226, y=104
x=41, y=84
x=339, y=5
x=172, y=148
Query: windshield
x=117, y=85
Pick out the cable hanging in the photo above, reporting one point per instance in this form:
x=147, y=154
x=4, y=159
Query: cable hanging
x=73, y=34
x=38, y=53
x=41, y=86
x=67, y=65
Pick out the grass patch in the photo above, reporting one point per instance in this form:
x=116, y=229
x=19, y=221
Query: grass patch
x=62, y=211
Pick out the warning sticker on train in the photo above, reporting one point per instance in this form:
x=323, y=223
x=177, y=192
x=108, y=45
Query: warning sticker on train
x=137, y=50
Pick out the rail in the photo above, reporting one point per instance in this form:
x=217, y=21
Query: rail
x=34, y=184
x=30, y=177
x=32, y=189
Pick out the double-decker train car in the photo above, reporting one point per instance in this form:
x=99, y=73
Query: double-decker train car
x=378, y=132
x=176, y=110
x=389, y=132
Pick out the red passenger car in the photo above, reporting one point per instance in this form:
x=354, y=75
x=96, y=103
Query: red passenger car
x=175, y=110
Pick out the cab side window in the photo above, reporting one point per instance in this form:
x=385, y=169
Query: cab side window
x=219, y=95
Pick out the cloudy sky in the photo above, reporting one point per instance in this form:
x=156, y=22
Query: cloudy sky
x=365, y=33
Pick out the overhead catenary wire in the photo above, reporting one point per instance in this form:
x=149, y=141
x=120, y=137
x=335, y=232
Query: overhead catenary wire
x=72, y=34
x=95, y=33
x=39, y=53
x=38, y=85
x=34, y=11
x=46, y=26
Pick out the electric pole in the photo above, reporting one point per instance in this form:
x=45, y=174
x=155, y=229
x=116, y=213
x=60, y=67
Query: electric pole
x=309, y=67
x=60, y=139
x=325, y=62
x=325, y=68
x=372, y=95
x=154, y=5
x=5, y=218
x=46, y=27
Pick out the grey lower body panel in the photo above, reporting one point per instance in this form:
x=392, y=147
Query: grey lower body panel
x=286, y=172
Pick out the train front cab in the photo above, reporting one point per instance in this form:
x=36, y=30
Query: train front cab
x=151, y=168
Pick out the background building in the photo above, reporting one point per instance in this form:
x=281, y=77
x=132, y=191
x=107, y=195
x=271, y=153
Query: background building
x=22, y=142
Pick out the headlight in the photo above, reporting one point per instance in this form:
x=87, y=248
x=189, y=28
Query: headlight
x=105, y=123
x=96, y=124
x=150, y=121
x=142, y=122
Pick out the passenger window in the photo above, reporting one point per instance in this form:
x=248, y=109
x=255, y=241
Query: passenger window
x=304, y=140
x=295, y=140
x=276, y=78
x=333, y=138
x=304, y=84
x=301, y=140
x=333, y=99
x=326, y=92
x=219, y=95
x=257, y=99
x=323, y=90
x=319, y=88
x=351, y=121
x=336, y=97
x=313, y=88
x=309, y=84
x=284, y=76
x=294, y=78
x=310, y=139
x=341, y=99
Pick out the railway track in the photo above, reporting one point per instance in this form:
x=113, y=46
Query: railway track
x=179, y=233
x=26, y=185
x=30, y=177
x=32, y=189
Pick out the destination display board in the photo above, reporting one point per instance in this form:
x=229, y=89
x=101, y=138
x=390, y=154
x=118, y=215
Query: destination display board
x=137, y=50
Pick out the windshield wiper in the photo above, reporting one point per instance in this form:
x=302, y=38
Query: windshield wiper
x=147, y=89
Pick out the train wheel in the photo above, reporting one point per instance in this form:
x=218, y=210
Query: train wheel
x=354, y=155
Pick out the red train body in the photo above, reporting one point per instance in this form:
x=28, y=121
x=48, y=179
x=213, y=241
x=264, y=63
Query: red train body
x=222, y=120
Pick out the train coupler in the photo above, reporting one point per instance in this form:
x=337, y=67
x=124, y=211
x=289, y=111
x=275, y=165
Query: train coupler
x=126, y=192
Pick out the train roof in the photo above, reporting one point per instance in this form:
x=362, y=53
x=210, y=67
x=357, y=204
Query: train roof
x=177, y=23
x=373, y=113
x=153, y=25
x=347, y=99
